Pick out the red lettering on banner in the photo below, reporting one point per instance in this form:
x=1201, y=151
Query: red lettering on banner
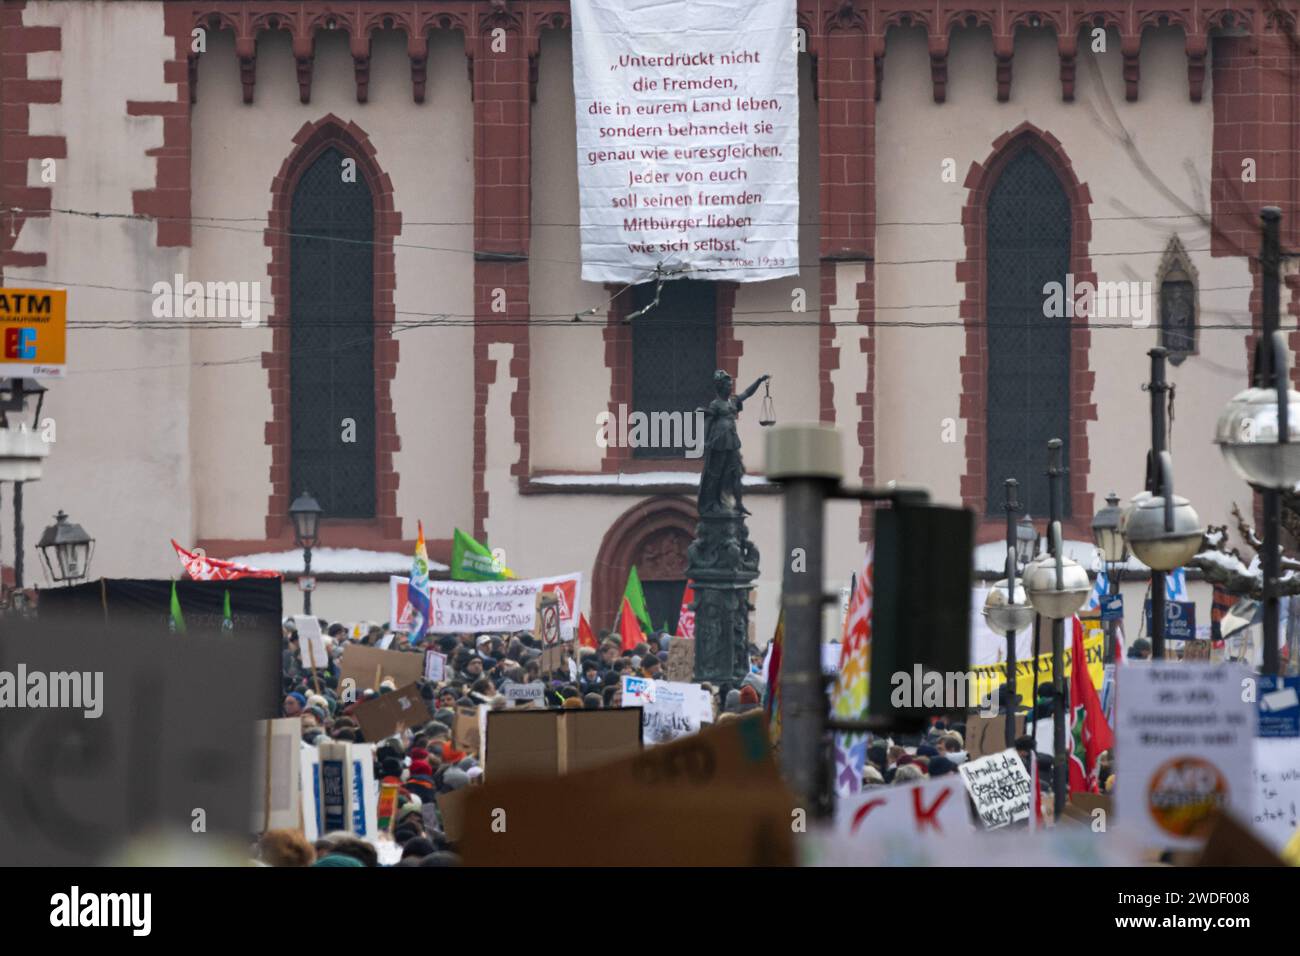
x=924, y=816
x=863, y=811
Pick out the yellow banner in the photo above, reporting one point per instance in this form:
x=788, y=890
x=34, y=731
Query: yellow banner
x=989, y=677
x=33, y=332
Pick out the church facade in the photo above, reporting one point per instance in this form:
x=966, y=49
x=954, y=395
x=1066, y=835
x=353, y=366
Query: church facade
x=377, y=203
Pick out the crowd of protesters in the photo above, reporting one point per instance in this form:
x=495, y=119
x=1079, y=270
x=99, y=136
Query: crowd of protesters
x=424, y=759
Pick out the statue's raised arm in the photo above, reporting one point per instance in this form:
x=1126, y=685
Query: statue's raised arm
x=749, y=392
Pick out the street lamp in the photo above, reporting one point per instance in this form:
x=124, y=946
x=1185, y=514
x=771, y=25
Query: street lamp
x=1058, y=586
x=1259, y=430
x=305, y=513
x=1026, y=541
x=1113, y=546
x=1007, y=608
x=66, y=550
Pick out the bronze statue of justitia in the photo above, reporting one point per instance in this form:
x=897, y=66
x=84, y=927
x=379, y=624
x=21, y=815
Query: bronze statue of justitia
x=723, y=472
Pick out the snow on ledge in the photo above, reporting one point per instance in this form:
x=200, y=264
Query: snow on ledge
x=635, y=479
x=335, y=561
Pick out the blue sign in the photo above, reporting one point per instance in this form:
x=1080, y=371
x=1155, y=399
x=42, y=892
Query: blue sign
x=334, y=799
x=1279, y=706
x=1180, y=620
x=1112, y=608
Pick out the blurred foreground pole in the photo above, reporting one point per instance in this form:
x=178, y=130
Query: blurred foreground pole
x=807, y=461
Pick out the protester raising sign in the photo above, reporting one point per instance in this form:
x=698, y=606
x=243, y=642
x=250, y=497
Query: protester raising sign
x=458, y=607
x=669, y=709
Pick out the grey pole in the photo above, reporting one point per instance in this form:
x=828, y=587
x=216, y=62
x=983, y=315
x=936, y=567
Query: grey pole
x=1012, y=506
x=807, y=460
x=1265, y=374
x=1059, y=767
x=1155, y=484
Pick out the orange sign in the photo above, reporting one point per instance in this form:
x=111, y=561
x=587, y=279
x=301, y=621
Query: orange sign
x=33, y=332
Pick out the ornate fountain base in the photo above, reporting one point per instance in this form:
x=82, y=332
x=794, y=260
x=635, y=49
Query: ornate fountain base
x=722, y=564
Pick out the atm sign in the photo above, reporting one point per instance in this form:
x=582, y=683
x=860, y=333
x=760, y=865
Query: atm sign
x=33, y=332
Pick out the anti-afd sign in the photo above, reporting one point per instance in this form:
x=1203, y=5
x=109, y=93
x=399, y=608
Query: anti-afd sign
x=934, y=807
x=688, y=139
x=33, y=332
x=1180, y=620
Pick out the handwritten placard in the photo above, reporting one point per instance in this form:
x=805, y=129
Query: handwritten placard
x=1000, y=786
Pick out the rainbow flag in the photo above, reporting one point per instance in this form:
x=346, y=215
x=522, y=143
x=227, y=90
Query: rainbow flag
x=417, y=592
x=852, y=683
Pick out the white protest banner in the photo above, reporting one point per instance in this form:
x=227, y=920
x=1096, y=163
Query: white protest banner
x=522, y=695
x=309, y=783
x=688, y=139
x=1184, y=735
x=435, y=665
x=458, y=607
x=928, y=807
x=638, y=691
x=1000, y=786
x=1277, y=789
x=311, y=644
x=673, y=710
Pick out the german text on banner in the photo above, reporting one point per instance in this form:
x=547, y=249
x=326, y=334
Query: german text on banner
x=688, y=138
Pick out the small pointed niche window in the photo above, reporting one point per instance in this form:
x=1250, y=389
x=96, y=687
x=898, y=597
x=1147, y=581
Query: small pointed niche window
x=1179, y=311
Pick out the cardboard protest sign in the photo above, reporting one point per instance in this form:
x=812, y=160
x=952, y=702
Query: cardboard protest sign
x=310, y=791
x=122, y=700
x=466, y=731
x=988, y=735
x=276, y=772
x=435, y=666
x=680, y=666
x=926, y=808
x=552, y=742
x=557, y=657
x=1276, y=790
x=1185, y=738
x=386, y=714
x=712, y=799
x=1000, y=786
x=370, y=666
x=452, y=807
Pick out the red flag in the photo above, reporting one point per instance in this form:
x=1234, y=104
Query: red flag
x=1090, y=733
x=202, y=568
x=585, y=636
x=628, y=628
x=686, y=617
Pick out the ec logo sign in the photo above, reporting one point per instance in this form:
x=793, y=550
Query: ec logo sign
x=20, y=344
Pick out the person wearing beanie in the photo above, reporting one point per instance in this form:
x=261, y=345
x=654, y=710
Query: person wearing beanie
x=421, y=768
x=732, y=704
x=419, y=847
x=338, y=859
x=454, y=779
x=748, y=698
x=941, y=765
x=294, y=704
x=592, y=701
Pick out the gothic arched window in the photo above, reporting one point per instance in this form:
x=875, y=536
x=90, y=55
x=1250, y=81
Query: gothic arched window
x=1028, y=223
x=332, y=357
x=1176, y=280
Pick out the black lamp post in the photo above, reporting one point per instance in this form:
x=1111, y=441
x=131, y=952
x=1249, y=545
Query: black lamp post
x=305, y=513
x=1162, y=529
x=1114, y=553
x=66, y=551
x=1259, y=431
x=1007, y=609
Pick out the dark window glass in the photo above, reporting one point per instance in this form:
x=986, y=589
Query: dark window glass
x=674, y=352
x=1178, y=318
x=1028, y=222
x=332, y=369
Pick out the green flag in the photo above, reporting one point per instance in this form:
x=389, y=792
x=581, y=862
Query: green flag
x=177, y=624
x=227, y=619
x=471, y=561
x=636, y=598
